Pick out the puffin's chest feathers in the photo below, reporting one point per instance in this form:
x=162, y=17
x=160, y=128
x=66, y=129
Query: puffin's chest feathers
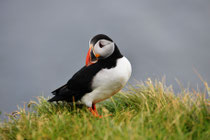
x=109, y=81
x=109, y=78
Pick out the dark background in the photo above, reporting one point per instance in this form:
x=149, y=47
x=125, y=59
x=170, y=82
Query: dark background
x=44, y=42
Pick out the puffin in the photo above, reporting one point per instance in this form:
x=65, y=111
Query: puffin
x=106, y=72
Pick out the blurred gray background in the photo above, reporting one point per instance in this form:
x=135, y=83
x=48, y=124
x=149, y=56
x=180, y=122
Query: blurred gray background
x=44, y=42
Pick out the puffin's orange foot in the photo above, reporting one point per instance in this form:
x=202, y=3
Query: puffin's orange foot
x=95, y=112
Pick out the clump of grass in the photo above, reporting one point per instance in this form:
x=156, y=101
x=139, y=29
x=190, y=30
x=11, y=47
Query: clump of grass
x=147, y=110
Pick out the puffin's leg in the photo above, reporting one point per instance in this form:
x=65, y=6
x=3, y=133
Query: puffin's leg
x=94, y=111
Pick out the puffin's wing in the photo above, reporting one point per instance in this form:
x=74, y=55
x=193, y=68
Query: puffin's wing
x=57, y=90
x=79, y=82
x=78, y=85
x=82, y=79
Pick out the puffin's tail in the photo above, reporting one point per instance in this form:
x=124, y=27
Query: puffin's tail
x=56, y=92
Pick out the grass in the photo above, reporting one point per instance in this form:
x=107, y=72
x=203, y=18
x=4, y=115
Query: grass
x=149, y=110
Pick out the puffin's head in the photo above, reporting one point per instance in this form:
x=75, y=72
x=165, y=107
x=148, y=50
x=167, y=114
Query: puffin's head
x=100, y=47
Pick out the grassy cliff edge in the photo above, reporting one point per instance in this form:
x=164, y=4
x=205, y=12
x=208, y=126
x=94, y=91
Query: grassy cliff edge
x=148, y=110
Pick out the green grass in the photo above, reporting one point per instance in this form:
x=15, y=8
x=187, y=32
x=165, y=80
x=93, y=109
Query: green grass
x=148, y=110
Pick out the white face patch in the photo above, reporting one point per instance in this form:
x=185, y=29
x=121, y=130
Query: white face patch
x=104, y=48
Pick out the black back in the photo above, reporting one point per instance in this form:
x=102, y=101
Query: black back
x=81, y=82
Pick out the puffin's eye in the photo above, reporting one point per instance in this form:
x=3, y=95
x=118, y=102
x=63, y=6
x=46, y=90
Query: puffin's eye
x=100, y=45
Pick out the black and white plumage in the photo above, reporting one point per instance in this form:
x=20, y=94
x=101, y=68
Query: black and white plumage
x=105, y=73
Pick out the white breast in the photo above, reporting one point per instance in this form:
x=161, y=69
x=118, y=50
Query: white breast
x=107, y=82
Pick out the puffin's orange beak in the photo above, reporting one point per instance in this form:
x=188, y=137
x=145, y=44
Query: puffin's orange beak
x=88, y=62
x=91, y=57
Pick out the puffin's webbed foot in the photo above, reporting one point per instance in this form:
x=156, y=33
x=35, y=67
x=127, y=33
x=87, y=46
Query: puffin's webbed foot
x=94, y=111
